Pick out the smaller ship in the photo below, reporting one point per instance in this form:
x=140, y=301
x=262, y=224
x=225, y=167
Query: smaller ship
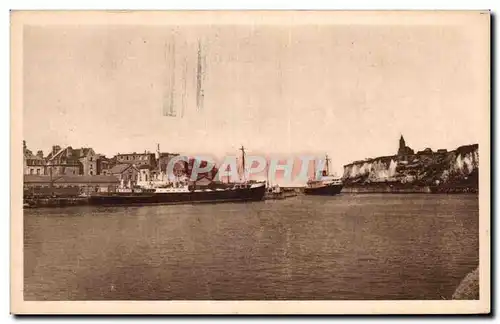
x=274, y=193
x=328, y=185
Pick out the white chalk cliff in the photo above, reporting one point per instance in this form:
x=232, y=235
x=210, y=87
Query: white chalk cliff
x=422, y=168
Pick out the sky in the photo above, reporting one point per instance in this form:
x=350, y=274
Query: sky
x=349, y=91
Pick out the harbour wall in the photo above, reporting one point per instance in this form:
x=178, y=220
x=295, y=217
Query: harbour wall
x=54, y=202
x=385, y=189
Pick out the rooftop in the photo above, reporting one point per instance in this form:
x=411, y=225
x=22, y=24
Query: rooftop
x=145, y=153
x=29, y=178
x=81, y=151
x=119, y=168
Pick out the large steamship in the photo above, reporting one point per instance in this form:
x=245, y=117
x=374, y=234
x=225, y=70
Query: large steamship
x=182, y=192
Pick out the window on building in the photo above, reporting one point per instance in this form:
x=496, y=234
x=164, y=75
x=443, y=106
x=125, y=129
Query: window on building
x=31, y=171
x=38, y=171
x=90, y=159
x=91, y=173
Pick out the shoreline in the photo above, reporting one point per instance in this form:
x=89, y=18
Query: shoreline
x=409, y=189
x=49, y=202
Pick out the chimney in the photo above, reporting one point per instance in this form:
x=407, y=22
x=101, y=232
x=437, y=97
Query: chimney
x=55, y=149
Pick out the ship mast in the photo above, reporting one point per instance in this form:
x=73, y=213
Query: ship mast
x=158, y=160
x=314, y=171
x=242, y=149
x=327, y=165
x=267, y=174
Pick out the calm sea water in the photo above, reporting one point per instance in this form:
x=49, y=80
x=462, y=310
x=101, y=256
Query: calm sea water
x=366, y=246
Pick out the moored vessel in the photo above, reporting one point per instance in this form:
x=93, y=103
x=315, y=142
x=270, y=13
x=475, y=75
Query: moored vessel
x=274, y=193
x=183, y=192
x=328, y=185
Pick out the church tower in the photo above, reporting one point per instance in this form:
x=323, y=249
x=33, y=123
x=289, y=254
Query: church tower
x=402, y=145
x=403, y=149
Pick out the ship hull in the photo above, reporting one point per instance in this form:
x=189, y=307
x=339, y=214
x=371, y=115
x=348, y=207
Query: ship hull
x=235, y=195
x=327, y=190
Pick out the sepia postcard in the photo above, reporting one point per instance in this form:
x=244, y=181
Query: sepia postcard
x=250, y=162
